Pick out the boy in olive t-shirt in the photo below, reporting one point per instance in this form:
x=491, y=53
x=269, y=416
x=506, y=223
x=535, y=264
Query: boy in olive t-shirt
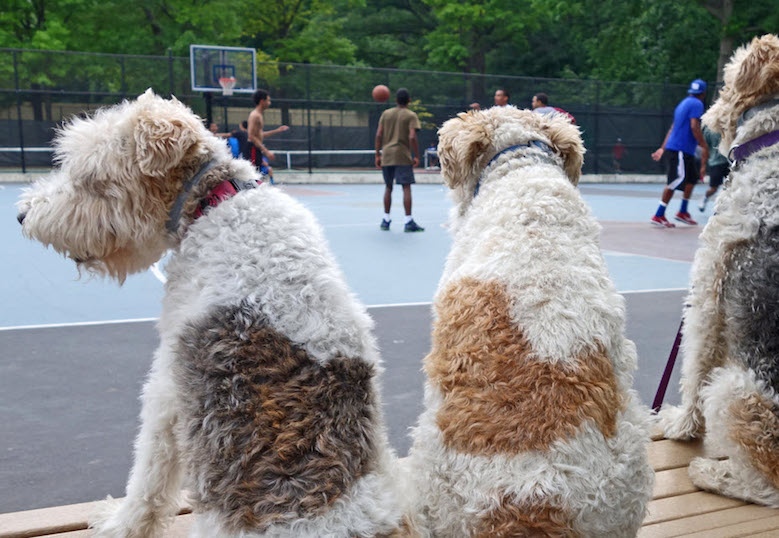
x=397, y=153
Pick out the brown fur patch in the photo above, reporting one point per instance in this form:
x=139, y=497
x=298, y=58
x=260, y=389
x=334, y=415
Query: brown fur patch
x=497, y=399
x=512, y=521
x=755, y=427
x=273, y=434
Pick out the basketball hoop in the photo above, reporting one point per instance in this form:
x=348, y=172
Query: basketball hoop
x=227, y=84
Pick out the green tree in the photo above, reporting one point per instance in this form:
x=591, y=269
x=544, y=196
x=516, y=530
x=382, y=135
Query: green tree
x=466, y=32
x=306, y=31
x=739, y=21
x=390, y=33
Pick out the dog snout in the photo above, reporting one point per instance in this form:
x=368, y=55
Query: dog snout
x=20, y=216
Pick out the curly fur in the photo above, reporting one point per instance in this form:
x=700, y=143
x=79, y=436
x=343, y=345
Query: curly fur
x=263, y=396
x=530, y=424
x=730, y=368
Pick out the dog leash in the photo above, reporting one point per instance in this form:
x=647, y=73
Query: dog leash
x=669, y=367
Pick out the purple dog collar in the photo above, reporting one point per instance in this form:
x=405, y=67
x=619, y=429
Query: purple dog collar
x=533, y=143
x=740, y=152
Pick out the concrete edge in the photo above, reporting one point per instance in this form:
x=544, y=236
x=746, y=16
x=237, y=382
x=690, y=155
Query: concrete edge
x=345, y=177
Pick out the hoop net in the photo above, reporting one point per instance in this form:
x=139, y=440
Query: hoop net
x=227, y=84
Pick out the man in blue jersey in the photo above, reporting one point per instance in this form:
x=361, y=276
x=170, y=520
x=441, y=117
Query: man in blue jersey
x=678, y=149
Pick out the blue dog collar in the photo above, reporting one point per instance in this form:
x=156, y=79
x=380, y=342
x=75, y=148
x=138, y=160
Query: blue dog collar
x=533, y=143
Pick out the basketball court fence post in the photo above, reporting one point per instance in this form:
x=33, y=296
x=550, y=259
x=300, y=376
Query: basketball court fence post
x=170, y=71
x=209, y=107
x=595, y=126
x=308, y=109
x=123, y=80
x=19, y=111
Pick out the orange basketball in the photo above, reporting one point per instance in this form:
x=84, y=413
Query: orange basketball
x=380, y=93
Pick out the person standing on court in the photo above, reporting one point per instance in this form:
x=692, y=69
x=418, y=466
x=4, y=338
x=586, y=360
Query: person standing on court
x=678, y=151
x=501, y=98
x=397, y=153
x=717, y=166
x=256, y=134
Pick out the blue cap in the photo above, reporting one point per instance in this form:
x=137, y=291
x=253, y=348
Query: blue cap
x=697, y=87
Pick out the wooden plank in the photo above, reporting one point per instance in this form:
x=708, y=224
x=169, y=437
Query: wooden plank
x=45, y=520
x=745, y=528
x=687, y=505
x=57, y=519
x=705, y=522
x=672, y=482
x=668, y=454
x=179, y=529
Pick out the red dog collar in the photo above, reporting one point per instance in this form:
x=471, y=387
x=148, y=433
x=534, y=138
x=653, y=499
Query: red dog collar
x=223, y=191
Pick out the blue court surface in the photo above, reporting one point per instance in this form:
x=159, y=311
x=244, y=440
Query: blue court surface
x=74, y=352
x=41, y=287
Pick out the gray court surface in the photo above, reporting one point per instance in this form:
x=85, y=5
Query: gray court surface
x=69, y=391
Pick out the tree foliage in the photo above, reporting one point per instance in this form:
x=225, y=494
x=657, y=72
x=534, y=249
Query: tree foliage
x=621, y=40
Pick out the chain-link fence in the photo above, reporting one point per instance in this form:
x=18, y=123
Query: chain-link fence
x=328, y=108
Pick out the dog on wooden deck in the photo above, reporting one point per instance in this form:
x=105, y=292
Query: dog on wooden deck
x=530, y=427
x=730, y=368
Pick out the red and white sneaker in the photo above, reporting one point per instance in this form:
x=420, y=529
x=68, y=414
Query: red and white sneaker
x=685, y=218
x=662, y=222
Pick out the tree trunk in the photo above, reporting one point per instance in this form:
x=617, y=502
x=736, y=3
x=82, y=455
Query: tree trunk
x=477, y=63
x=725, y=51
x=723, y=12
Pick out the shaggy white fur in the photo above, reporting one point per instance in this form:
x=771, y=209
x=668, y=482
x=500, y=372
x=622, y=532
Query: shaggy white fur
x=529, y=229
x=260, y=251
x=730, y=321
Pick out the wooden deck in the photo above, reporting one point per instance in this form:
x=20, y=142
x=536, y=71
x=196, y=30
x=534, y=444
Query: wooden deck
x=678, y=508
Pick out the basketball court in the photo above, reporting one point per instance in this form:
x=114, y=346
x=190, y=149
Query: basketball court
x=74, y=352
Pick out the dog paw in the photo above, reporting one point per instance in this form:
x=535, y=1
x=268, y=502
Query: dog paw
x=679, y=423
x=112, y=518
x=702, y=471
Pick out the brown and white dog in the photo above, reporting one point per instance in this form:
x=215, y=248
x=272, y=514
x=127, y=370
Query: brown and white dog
x=531, y=427
x=730, y=369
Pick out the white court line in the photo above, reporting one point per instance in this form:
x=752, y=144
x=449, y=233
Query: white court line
x=78, y=324
x=625, y=254
x=390, y=305
x=141, y=320
x=155, y=269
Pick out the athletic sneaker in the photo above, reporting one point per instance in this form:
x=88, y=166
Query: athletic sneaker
x=662, y=222
x=412, y=226
x=705, y=201
x=685, y=218
x=385, y=224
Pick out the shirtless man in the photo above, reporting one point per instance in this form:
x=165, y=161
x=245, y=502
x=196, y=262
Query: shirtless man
x=256, y=134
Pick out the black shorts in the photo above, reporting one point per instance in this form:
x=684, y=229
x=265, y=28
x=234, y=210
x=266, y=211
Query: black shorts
x=401, y=174
x=717, y=174
x=680, y=169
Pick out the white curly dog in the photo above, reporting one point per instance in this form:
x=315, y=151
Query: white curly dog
x=730, y=368
x=263, y=396
x=530, y=427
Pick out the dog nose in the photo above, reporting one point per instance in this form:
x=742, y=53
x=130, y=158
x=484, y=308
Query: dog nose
x=20, y=217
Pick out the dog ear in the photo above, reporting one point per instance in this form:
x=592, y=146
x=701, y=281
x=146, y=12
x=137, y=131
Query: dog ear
x=567, y=142
x=463, y=143
x=162, y=133
x=759, y=71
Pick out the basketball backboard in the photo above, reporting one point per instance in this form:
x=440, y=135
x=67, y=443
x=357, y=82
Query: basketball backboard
x=208, y=63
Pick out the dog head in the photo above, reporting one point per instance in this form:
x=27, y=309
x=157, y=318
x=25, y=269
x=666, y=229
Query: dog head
x=751, y=77
x=469, y=141
x=118, y=172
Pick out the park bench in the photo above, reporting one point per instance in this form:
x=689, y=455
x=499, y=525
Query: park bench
x=678, y=508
